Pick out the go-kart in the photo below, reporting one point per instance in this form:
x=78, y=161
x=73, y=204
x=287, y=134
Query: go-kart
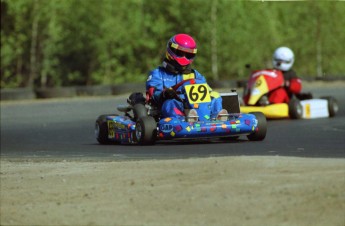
x=301, y=106
x=142, y=123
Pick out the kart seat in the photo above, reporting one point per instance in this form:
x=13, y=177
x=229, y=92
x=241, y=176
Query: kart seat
x=231, y=102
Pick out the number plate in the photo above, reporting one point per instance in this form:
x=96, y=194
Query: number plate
x=111, y=133
x=198, y=93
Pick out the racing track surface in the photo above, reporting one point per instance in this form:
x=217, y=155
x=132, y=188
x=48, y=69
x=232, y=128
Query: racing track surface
x=65, y=129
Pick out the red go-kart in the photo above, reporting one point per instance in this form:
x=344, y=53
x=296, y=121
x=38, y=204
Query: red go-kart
x=263, y=83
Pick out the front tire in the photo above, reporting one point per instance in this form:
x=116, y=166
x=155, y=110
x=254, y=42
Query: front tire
x=295, y=109
x=146, y=130
x=101, y=130
x=261, y=130
x=139, y=111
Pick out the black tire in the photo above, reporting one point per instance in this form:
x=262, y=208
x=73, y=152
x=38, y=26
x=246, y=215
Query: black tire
x=139, y=111
x=101, y=130
x=260, y=133
x=146, y=131
x=295, y=109
x=333, y=106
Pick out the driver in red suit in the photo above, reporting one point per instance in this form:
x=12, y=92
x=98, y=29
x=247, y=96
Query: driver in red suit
x=283, y=59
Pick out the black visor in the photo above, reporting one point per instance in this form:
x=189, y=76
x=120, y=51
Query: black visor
x=180, y=53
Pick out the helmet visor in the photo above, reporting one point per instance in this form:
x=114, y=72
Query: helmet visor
x=280, y=61
x=180, y=53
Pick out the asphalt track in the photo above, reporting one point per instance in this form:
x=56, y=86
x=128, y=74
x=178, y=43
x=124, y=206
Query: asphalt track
x=64, y=128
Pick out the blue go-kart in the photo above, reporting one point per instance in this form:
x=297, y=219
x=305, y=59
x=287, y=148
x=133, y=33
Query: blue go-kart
x=142, y=123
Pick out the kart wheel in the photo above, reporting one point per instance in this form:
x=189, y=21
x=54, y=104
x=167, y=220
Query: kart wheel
x=101, y=130
x=333, y=106
x=295, y=109
x=146, y=130
x=260, y=132
x=139, y=111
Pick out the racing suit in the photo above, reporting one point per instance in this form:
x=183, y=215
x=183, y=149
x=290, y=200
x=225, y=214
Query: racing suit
x=160, y=79
x=292, y=85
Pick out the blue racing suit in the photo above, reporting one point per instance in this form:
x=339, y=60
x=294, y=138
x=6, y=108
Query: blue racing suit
x=160, y=79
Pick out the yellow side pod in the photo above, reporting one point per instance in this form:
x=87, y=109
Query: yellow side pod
x=270, y=111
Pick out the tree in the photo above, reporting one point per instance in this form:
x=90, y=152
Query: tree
x=87, y=42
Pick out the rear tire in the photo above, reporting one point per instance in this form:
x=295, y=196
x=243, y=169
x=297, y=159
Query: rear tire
x=260, y=132
x=146, y=130
x=295, y=109
x=333, y=106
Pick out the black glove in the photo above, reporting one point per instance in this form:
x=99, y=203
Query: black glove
x=136, y=98
x=168, y=94
x=304, y=96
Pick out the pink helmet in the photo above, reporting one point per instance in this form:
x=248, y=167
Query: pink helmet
x=181, y=48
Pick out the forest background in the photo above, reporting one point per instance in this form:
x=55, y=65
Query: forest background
x=53, y=43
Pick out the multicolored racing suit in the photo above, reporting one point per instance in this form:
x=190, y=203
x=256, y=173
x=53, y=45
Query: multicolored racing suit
x=160, y=79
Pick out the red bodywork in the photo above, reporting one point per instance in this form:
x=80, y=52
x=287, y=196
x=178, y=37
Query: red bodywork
x=274, y=78
x=274, y=86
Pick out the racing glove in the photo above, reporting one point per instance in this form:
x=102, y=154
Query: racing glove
x=304, y=96
x=169, y=94
x=294, y=85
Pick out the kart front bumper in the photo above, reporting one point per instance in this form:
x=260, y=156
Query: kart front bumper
x=241, y=124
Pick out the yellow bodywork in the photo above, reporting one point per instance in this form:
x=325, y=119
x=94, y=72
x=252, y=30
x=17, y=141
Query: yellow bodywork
x=259, y=89
x=270, y=111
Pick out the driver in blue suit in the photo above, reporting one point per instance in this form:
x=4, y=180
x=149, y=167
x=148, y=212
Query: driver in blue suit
x=164, y=85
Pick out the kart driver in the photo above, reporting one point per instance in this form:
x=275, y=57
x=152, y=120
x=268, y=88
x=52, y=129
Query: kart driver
x=164, y=84
x=283, y=59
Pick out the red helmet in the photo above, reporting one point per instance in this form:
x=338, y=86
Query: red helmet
x=181, y=48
